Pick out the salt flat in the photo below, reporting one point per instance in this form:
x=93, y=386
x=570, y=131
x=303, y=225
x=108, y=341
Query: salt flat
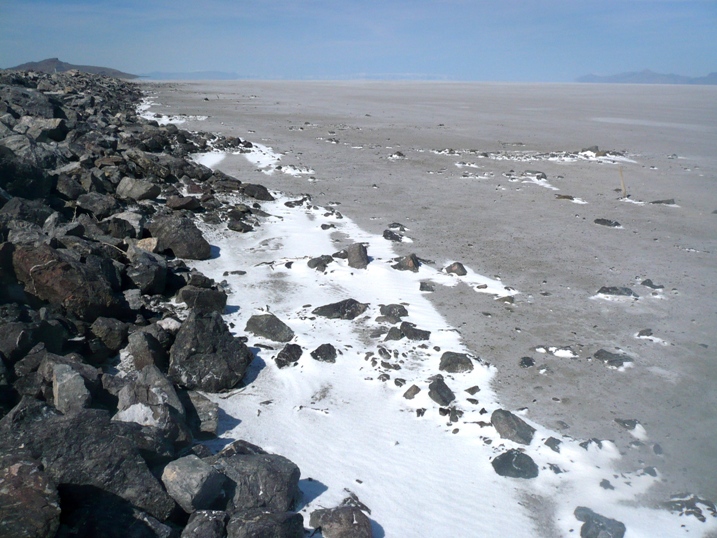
x=457, y=165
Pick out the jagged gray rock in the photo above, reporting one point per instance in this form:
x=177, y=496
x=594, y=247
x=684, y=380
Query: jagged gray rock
x=194, y=484
x=597, y=526
x=512, y=427
x=269, y=326
x=455, y=363
x=341, y=522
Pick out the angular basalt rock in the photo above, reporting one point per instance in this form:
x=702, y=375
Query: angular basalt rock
x=100, y=205
x=618, y=291
x=266, y=481
x=68, y=389
x=409, y=331
x=269, y=326
x=180, y=235
x=258, y=192
x=324, y=353
x=206, y=356
x=346, y=309
x=136, y=189
x=612, y=360
x=408, y=263
x=341, y=522
x=202, y=413
x=193, y=483
x=456, y=268
x=147, y=350
x=512, y=427
x=289, y=355
x=206, y=524
x=357, y=256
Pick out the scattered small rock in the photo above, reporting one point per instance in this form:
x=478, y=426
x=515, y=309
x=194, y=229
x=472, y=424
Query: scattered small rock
x=515, y=464
x=324, y=353
x=597, y=526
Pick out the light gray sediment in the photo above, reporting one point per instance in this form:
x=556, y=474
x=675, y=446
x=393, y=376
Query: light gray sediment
x=549, y=249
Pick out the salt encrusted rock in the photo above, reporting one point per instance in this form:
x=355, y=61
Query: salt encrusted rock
x=341, y=522
x=206, y=524
x=357, y=256
x=206, y=356
x=396, y=311
x=512, y=427
x=29, y=503
x=612, y=360
x=455, y=363
x=269, y=326
x=266, y=481
x=324, y=353
x=553, y=444
x=456, y=268
x=346, y=309
x=409, y=331
x=597, y=526
x=180, y=236
x=619, y=291
x=650, y=284
x=392, y=236
x=68, y=390
x=203, y=299
x=408, y=263
x=289, y=355
x=257, y=523
x=426, y=286
x=439, y=392
x=515, y=464
x=194, y=484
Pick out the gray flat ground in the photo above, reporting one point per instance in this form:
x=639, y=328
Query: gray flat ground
x=549, y=249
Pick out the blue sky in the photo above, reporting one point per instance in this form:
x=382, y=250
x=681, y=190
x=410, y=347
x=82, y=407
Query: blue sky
x=509, y=40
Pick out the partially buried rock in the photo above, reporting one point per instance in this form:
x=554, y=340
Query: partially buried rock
x=347, y=309
x=407, y=263
x=439, y=392
x=324, y=353
x=512, y=427
x=608, y=223
x=455, y=362
x=269, y=326
x=410, y=331
x=612, y=360
x=618, y=291
x=456, y=268
x=258, y=192
x=515, y=464
x=206, y=356
x=341, y=522
x=320, y=262
x=597, y=526
x=289, y=355
x=392, y=236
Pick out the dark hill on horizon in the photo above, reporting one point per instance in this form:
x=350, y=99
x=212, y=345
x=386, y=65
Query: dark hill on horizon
x=55, y=65
x=648, y=77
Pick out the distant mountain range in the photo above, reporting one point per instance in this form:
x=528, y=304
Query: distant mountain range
x=54, y=65
x=648, y=77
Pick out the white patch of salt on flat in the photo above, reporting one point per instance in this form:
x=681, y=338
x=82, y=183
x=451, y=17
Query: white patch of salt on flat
x=209, y=159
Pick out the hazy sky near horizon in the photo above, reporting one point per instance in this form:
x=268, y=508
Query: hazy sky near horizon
x=491, y=40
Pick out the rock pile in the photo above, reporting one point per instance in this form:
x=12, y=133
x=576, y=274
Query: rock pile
x=97, y=206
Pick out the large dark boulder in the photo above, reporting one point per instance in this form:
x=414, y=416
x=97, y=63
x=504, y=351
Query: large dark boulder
x=206, y=356
x=29, y=502
x=341, y=522
x=266, y=481
x=193, y=483
x=203, y=299
x=33, y=211
x=515, y=464
x=346, y=309
x=148, y=272
x=597, y=526
x=180, y=236
x=59, y=279
x=100, y=205
x=289, y=355
x=22, y=178
x=357, y=256
x=512, y=427
x=269, y=326
x=84, y=449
